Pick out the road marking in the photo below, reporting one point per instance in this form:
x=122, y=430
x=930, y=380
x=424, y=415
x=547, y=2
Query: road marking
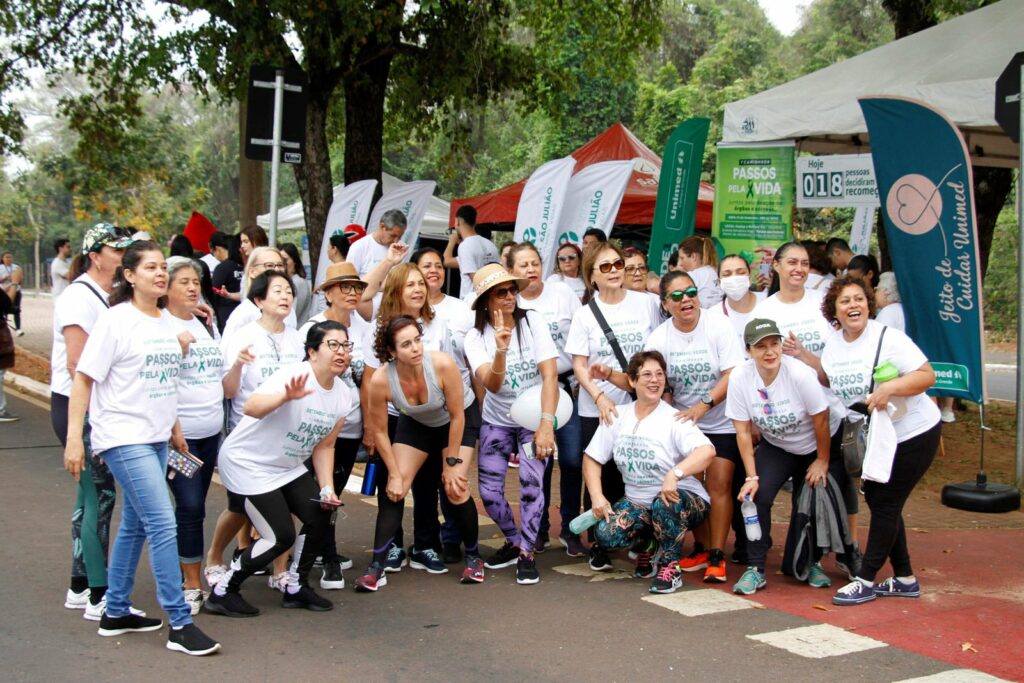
x=818, y=642
x=697, y=603
x=623, y=570
x=956, y=676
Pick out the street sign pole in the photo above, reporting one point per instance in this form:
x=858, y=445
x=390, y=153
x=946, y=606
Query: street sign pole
x=275, y=159
x=1019, y=475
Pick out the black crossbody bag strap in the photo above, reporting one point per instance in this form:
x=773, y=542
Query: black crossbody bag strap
x=878, y=354
x=608, y=334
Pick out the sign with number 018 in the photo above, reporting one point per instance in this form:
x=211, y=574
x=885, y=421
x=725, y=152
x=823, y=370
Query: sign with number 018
x=835, y=181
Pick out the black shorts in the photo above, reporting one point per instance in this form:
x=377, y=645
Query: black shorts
x=726, y=447
x=435, y=439
x=236, y=503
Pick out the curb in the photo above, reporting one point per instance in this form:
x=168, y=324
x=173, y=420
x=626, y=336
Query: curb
x=27, y=385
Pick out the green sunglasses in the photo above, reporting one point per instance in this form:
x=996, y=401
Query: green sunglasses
x=678, y=294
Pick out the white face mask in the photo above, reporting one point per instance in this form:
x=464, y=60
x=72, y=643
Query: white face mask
x=735, y=286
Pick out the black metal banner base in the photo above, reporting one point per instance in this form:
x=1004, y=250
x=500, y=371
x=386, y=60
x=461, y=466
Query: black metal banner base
x=981, y=497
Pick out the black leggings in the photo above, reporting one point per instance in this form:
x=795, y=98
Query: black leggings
x=271, y=515
x=611, y=478
x=345, y=451
x=887, y=537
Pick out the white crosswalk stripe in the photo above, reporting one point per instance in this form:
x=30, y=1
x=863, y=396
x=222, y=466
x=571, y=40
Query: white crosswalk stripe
x=623, y=570
x=696, y=603
x=818, y=641
x=956, y=676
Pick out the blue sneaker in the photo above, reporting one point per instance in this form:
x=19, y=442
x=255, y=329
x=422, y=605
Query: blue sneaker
x=427, y=559
x=752, y=581
x=816, y=577
x=854, y=593
x=893, y=587
x=395, y=560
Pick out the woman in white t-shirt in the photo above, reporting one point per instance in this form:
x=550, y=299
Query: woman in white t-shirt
x=631, y=317
x=556, y=304
x=261, y=260
x=510, y=350
x=699, y=258
x=660, y=458
x=296, y=414
x=201, y=413
x=888, y=304
x=127, y=378
x=569, y=260
x=847, y=366
x=738, y=304
x=782, y=398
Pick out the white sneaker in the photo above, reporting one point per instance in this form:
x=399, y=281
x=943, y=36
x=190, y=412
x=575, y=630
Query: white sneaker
x=279, y=582
x=214, y=574
x=948, y=415
x=75, y=600
x=95, y=612
x=194, y=598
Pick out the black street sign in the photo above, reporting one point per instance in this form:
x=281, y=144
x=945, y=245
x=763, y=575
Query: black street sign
x=1008, y=98
x=259, y=119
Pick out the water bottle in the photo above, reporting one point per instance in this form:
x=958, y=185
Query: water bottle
x=583, y=522
x=884, y=373
x=370, y=478
x=750, y=521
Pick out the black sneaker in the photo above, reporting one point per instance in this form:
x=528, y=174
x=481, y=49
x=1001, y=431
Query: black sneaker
x=505, y=557
x=543, y=540
x=428, y=560
x=190, y=640
x=129, y=623
x=343, y=561
x=451, y=553
x=332, y=580
x=599, y=560
x=306, y=598
x=231, y=604
x=526, y=571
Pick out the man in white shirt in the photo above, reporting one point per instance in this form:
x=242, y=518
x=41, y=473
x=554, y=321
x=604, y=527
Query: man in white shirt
x=218, y=250
x=475, y=251
x=11, y=276
x=367, y=252
x=60, y=266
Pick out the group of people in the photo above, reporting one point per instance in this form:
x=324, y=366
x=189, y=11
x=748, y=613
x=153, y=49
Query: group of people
x=683, y=402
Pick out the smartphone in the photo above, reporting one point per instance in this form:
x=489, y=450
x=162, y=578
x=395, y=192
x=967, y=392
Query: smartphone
x=765, y=269
x=324, y=502
x=860, y=407
x=528, y=451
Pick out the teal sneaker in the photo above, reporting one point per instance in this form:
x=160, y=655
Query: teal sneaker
x=816, y=577
x=752, y=581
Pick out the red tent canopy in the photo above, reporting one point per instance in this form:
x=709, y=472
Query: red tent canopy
x=616, y=143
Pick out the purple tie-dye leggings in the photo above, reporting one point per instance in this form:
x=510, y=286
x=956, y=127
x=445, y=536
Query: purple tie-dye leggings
x=496, y=444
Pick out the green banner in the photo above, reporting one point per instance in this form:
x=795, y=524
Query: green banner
x=678, y=185
x=754, y=189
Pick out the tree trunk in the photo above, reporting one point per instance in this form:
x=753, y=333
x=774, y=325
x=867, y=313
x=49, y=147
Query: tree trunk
x=910, y=16
x=364, y=122
x=991, y=188
x=250, y=178
x=313, y=175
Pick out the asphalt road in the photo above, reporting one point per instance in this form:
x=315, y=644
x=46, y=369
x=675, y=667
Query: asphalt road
x=572, y=626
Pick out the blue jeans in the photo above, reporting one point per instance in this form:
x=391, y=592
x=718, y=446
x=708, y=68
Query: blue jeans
x=147, y=515
x=190, y=499
x=569, y=439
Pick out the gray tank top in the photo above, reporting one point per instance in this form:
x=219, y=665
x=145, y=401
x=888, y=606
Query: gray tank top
x=432, y=413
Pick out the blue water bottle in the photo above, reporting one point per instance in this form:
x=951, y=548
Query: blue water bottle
x=370, y=477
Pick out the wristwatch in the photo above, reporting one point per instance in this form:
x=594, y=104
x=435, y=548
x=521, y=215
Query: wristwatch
x=707, y=399
x=678, y=472
x=452, y=462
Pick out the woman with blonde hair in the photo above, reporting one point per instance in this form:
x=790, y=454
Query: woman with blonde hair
x=261, y=260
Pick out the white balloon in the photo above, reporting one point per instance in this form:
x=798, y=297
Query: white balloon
x=526, y=409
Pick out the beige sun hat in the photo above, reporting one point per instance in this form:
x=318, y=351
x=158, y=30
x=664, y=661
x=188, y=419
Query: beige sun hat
x=490, y=276
x=340, y=272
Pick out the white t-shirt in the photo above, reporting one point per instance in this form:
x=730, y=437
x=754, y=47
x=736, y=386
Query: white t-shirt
x=200, y=392
x=696, y=361
x=706, y=280
x=804, y=319
x=365, y=253
x=645, y=450
x=210, y=260
x=849, y=369
x=557, y=304
x=738, y=320
x=521, y=361
x=360, y=333
x=892, y=316
x=272, y=351
x=7, y=274
x=818, y=282
x=262, y=455
x=78, y=306
x=248, y=312
x=632, y=320
x=474, y=253
x=459, y=318
x=135, y=360
x=59, y=269
x=784, y=418
x=576, y=284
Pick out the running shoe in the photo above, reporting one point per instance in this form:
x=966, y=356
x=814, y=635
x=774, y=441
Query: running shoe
x=695, y=561
x=214, y=574
x=396, y=559
x=231, y=604
x=854, y=593
x=526, y=571
x=752, y=581
x=513, y=460
x=599, y=560
x=948, y=416
x=543, y=540
x=190, y=640
x=893, y=587
x=850, y=564
x=279, y=582
x=343, y=561
x=374, y=579
x=715, y=571
x=644, y=568
x=306, y=598
x=194, y=599
x=816, y=577
x=332, y=580
x=8, y=417
x=73, y=600
x=506, y=556
x=474, y=571
x=573, y=545
x=129, y=623
x=96, y=612
x=668, y=579
x=428, y=560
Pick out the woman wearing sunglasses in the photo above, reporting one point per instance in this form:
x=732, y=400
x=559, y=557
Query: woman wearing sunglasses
x=510, y=350
x=631, y=317
x=782, y=397
x=567, y=269
x=439, y=420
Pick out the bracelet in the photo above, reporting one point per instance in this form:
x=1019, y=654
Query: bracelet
x=753, y=478
x=501, y=350
x=550, y=418
x=599, y=395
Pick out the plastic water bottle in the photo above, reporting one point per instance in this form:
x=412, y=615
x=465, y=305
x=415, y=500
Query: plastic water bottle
x=583, y=522
x=750, y=521
x=885, y=373
x=370, y=478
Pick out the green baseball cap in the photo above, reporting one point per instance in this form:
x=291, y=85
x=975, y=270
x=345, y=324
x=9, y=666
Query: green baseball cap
x=105, y=234
x=758, y=329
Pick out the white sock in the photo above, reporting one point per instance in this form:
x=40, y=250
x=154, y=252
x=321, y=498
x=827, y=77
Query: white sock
x=869, y=584
x=177, y=628
x=907, y=580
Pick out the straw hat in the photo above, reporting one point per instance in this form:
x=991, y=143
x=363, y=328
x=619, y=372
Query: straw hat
x=490, y=276
x=340, y=272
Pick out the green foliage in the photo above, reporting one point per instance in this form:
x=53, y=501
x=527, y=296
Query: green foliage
x=1001, y=280
x=834, y=30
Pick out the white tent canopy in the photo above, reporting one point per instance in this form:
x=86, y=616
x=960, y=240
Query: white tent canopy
x=952, y=66
x=435, y=223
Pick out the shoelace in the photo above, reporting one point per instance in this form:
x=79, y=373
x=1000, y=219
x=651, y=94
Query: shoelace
x=851, y=588
x=666, y=573
x=394, y=553
x=431, y=555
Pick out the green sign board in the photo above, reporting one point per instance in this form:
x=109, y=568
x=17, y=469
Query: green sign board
x=950, y=377
x=754, y=189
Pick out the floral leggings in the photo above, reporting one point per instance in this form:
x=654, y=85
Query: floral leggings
x=665, y=524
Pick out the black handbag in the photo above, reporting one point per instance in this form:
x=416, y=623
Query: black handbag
x=855, y=431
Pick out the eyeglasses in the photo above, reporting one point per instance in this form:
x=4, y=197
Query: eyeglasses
x=617, y=264
x=565, y=258
x=767, y=407
x=273, y=265
x=678, y=294
x=351, y=288
x=648, y=376
x=636, y=270
x=334, y=345
x=274, y=346
x=505, y=292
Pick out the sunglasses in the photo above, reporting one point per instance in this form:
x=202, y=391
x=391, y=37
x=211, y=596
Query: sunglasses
x=767, y=407
x=565, y=258
x=351, y=287
x=505, y=292
x=618, y=264
x=678, y=294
